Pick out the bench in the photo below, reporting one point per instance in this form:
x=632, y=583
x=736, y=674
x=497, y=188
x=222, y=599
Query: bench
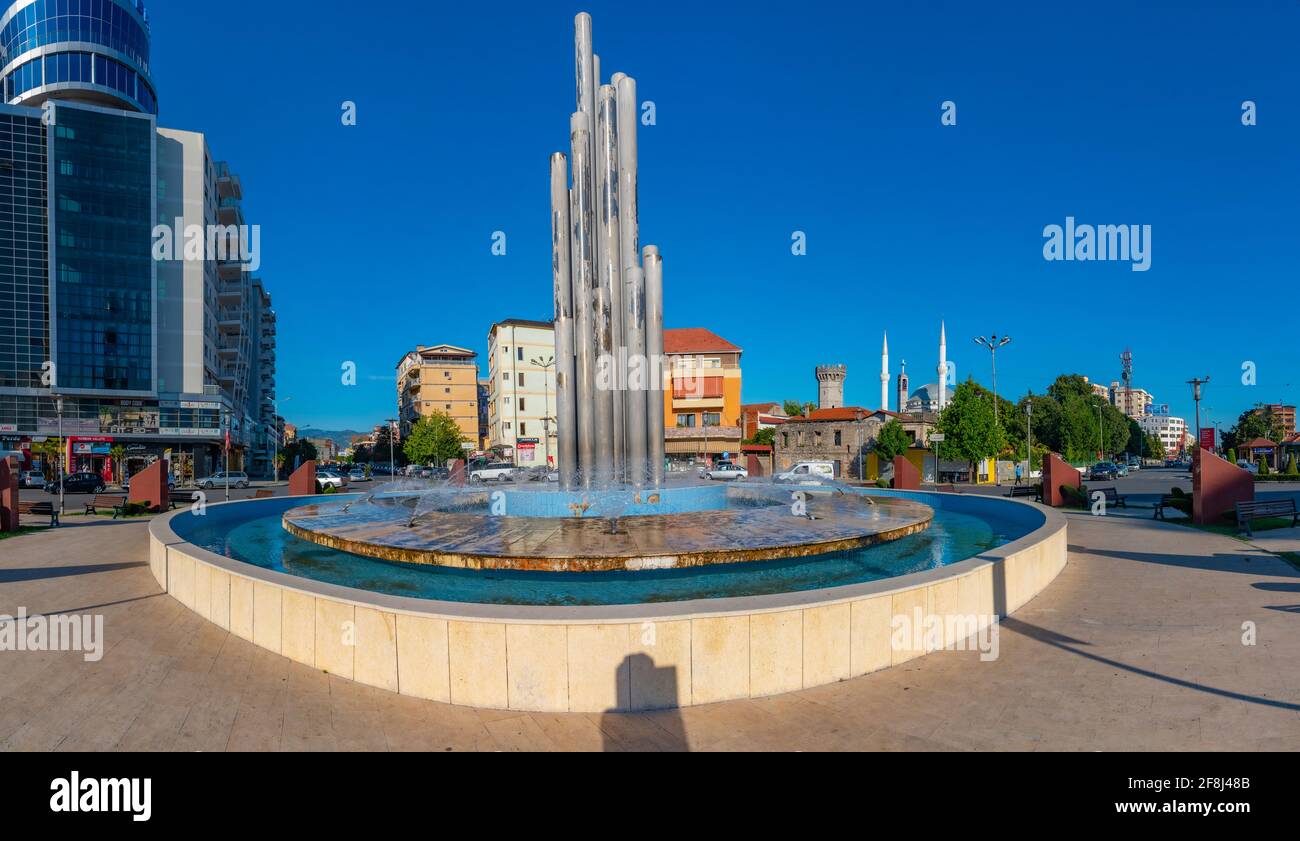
x=1166, y=501
x=264, y=494
x=1036, y=491
x=180, y=497
x=1112, y=496
x=1247, y=511
x=40, y=509
x=115, y=503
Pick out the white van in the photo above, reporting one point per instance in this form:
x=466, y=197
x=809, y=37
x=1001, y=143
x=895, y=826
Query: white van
x=808, y=473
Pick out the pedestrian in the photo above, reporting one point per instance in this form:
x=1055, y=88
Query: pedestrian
x=1018, y=472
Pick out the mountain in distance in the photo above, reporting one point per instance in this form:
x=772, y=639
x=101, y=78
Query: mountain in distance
x=341, y=437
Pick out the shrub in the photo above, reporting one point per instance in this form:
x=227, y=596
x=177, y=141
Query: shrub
x=1263, y=466
x=882, y=483
x=1075, y=497
x=1177, y=492
x=1232, y=455
x=1292, y=469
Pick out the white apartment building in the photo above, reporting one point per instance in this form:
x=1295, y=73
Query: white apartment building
x=521, y=391
x=1171, y=431
x=1133, y=402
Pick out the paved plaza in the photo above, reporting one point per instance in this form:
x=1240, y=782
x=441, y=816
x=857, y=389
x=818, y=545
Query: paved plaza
x=1137, y=645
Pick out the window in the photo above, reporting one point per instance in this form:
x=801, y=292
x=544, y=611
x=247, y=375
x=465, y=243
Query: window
x=785, y=439
x=712, y=419
x=522, y=401
x=519, y=354
x=523, y=428
x=505, y=378
x=686, y=421
x=838, y=438
x=521, y=380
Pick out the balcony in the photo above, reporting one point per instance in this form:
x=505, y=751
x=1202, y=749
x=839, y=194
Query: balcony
x=230, y=291
x=228, y=185
x=229, y=212
x=230, y=320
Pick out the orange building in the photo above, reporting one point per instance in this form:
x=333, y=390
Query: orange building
x=702, y=414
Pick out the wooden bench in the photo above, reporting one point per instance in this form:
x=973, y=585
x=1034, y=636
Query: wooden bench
x=264, y=494
x=40, y=509
x=117, y=504
x=1036, y=491
x=1112, y=496
x=175, y=498
x=1247, y=511
x=1166, y=501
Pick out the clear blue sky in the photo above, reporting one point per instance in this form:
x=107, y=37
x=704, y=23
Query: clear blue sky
x=772, y=118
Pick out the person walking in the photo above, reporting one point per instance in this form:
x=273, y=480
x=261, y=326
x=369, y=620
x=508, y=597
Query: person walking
x=1019, y=471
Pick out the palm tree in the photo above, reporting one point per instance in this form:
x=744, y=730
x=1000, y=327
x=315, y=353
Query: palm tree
x=118, y=453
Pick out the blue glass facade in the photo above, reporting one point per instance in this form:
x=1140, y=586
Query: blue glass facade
x=67, y=33
x=24, y=270
x=102, y=188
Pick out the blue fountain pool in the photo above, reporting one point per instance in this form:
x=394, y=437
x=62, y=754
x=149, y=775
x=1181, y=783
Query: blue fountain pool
x=963, y=526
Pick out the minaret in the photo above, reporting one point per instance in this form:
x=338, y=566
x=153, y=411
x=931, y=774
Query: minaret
x=884, y=375
x=902, y=388
x=943, y=366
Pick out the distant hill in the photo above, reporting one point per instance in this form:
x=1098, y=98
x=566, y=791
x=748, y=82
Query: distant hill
x=342, y=437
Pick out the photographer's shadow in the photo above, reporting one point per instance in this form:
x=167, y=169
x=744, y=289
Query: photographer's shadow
x=653, y=690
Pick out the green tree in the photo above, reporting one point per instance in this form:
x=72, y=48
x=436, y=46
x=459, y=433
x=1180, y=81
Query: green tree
x=435, y=439
x=298, y=451
x=1155, y=448
x=1258, y=422
x=970, y=433
x=51, y=451
x=1069, y=385
x=1263, y=466
x=1291, y=468
x=793, y=408
x=118, y=454
x=1232, y=454
x=891, y=441
x=765, y=437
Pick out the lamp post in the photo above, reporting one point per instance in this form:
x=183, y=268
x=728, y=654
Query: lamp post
x=1029, y=435
x=1101, y=436
x=993, y=343
x=63, y=445
x=275, y=435
x=392, y=435
x=1196, y=384
x=546, y=365
x=227, y=419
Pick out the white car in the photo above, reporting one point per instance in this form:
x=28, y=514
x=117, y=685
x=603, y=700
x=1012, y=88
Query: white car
x=725, y=471
x=32, y=479
x=1248, y=466
x=808, y=473
x=499, y=472
x=237, y=479
x=330, y=479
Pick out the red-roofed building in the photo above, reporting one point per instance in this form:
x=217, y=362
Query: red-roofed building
x=1257, y=449
x=702, y=418
x=756, y=416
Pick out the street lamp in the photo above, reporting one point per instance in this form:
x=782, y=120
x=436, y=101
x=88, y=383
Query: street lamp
x=1029, y=435
x=546, y=366
x=1101, y=436
x=1196, y=397
x=993, y=343
x=275, y=435
x=392, y=459
x=58, y=409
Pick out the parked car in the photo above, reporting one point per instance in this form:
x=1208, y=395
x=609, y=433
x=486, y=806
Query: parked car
x=1122, y=467
x=726, y=471
x=330, y=479
x=31, y=479
x=78, y=483
x=235, y=478
x=1103, y=471
x=358, y=476
x=1135, y=464
x=1248, y=466
x=126, y=484
x=808, y=473
x=496, y=472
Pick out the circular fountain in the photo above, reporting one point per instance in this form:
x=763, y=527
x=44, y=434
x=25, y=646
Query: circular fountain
x=603, y=530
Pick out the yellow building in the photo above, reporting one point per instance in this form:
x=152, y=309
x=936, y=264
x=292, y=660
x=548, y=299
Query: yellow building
x=702, y=416
x=441, y=378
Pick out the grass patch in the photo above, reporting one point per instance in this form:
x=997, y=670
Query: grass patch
x=22, y=530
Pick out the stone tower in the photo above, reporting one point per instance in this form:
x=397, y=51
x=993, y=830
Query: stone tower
x=830, y=386
x=902, y=388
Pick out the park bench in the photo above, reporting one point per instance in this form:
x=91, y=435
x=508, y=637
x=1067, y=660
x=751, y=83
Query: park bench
x=264, y=494
x=175, y=498
x=1112, y=496
x=1263, y=510
x=40, y=509
x=948, y=488
x=1166, y=501
x=116, y=504
x=1036, y=491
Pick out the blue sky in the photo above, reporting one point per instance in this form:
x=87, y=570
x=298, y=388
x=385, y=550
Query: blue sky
x=772, y=118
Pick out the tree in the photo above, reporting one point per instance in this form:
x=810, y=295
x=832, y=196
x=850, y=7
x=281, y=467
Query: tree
x=118, y=453
x=51, y=452
x=1291, y=468
x=970, y=433
x=793, y=408
x=1069, y=385
x=766, y=437
x=1155, y=448
x=891, y=441
x=435, y=439
x=1259, y=422
x=298, y=451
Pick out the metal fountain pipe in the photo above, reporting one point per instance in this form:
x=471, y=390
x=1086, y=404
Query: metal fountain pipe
x=606, y=263
x=561, y=272
x=654, y=341
x=638, y=454
x=611, y=266
x=583, y=285
x=629, y=251
x=584, y=71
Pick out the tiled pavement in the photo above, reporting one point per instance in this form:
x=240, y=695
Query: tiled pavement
x=1137, y=645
